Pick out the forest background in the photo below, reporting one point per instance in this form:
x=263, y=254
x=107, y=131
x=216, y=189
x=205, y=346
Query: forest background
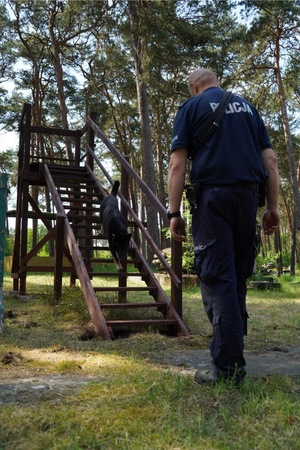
x=129, y=61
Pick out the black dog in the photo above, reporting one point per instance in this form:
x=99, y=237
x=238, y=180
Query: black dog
x=114, y=226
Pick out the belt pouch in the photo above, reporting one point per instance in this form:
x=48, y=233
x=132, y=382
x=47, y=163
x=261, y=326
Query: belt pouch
x=192, y=193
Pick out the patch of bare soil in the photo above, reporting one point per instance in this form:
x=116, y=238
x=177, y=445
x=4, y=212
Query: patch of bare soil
x=19, y=386
x=274, y=361
x=41, y=388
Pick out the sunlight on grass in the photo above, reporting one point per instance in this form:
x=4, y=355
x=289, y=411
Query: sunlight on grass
x=121, y=400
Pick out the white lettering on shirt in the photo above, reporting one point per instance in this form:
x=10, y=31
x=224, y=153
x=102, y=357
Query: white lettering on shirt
x=235, y=107
x=174, y=138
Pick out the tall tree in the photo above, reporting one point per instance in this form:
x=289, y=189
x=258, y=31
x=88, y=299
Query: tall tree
x=275, y=33
x=140, y=43
x=129, y=61
x=7, y=58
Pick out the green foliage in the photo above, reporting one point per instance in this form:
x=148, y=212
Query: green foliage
x=8, y=164
x=9, y=246
x=71, y=304
x=268, y=258
x=41, y=232
x=188, y=245
x=96, y=42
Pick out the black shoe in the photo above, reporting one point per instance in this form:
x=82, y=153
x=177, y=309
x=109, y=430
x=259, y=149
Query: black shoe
x=206, y=376
x=211, y=377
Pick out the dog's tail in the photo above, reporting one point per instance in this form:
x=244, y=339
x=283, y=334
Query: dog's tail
x=115, y=188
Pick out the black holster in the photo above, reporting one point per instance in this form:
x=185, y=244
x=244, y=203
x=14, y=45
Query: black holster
x=262, y=190
x=192, y=193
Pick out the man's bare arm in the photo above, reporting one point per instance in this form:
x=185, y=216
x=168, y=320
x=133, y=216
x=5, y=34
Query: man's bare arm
x=271, y=218
x=176, y=180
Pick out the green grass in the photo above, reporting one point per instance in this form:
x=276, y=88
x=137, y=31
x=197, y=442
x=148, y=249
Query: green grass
x=128, y=402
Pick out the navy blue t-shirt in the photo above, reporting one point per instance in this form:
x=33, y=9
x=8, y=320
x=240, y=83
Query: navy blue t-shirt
x=233, y=154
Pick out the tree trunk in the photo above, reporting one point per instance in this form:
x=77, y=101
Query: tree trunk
x=143, y=107
x=288, y=140
x=59, y=78
x=160, y=177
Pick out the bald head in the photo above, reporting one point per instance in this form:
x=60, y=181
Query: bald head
x=201, y=79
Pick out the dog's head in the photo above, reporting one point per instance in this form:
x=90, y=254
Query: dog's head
x=119, y=244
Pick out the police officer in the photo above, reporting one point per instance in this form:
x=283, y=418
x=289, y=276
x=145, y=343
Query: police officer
x=228, y=167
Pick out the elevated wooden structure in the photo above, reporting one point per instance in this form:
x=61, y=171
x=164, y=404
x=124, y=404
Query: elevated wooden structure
x=75, y=230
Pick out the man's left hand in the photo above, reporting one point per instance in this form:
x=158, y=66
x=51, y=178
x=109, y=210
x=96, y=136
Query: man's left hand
x=177, y=228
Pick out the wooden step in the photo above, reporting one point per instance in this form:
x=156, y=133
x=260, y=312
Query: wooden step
x=73, y=206
x=84, y=226
x=66, y=179
x=72, y=176
x=81, y=200
x=92, y=247
x=62, y=173
x=63, y=190
x=133, y=305
x=54, y=168
x=150, y=289
x=85, y=217
x=95, y=237
x=78, y=194
x=99, y=247
x=86, y=184
x=141, y=322
x=118, y=274
x=105, y=261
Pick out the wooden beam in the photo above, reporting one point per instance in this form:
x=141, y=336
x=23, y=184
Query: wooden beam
x=59, y=251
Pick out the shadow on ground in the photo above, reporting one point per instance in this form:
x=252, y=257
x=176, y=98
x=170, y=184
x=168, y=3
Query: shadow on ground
x=277, y=361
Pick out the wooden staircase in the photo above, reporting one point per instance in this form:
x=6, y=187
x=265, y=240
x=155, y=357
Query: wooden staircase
x=131, y=299
x=77, y=197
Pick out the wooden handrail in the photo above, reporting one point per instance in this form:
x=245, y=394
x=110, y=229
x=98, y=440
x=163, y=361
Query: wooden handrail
x=175, y=270
x=151, y=196
x=91, y=298
x=145, y=232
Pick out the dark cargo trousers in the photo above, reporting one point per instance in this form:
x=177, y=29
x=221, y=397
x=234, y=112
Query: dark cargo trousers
x=223, y=228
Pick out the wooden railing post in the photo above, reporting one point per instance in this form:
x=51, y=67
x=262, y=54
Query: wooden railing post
x=124, y=189
x=59, y=246
x=23, y=185
x=3, y=205
x=27, y=137
x=24, y=235
x=25, y=118
x=125, y=192
x=91, y=142
x=77, y=147
x=176, y=264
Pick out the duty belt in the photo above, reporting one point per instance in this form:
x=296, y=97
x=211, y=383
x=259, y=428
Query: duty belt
x=253, y=186
x=192, y=190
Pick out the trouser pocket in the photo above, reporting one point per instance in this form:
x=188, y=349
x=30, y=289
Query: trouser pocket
x=217, y=331
x=245, y=318
x=205, y=259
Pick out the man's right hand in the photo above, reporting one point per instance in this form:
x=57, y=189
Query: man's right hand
x=271, y=221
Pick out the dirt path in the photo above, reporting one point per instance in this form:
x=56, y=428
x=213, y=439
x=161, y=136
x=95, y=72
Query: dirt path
x=30, y=389
x=276, y=361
